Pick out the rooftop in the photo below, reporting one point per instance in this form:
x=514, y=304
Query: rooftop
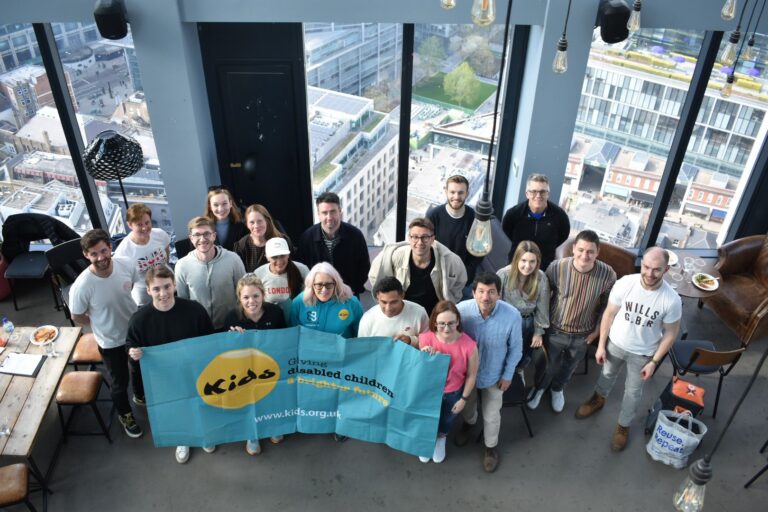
x=25, y=73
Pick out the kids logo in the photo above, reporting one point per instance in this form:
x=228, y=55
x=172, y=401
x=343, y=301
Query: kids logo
x=238, y=378
x=343, y=314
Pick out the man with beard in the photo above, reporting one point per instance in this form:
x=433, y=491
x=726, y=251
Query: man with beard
x=452, y=222
x=638, y=328
x=101, y=297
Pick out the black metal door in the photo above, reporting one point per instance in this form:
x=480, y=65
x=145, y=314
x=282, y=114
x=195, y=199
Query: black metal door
x=256, y=88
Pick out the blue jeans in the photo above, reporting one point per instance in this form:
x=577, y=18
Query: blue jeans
x=446, y=416
x=565, y=352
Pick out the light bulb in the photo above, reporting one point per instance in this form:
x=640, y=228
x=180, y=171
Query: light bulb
x=690, y=496
x=447, y=4
x=749, y=51
x=727, y=89
x=728, y=57
x=483, y=12
x=560, y=64
x=729, y=10
x=479, y=239
x=633, y=24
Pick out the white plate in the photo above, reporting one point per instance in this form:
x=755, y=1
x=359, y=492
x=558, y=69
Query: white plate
x=672, y=258
x=39, y=343
x=694, y=281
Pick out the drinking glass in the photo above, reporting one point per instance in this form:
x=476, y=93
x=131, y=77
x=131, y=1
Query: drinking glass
x=50, y=349
x=676, y=278
x=688, y=267
x=699, y=263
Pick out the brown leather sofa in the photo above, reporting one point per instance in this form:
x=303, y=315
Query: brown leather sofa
x=619, y=259
x=742, y=300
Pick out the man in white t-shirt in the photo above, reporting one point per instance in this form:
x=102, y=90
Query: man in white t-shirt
x=638, y=328
x=101, y=297
x=395, y=317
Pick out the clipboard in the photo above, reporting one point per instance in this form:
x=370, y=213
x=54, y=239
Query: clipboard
x=24, y=365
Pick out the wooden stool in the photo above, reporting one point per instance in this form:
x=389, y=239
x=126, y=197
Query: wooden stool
x=14, y=486
x=77, y=389
x=86, y=352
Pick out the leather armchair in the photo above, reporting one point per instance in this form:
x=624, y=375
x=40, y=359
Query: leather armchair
x=619, y=259
x=742, y=300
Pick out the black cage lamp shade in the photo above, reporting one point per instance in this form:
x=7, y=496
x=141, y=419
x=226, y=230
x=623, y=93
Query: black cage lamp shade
x=112, y=156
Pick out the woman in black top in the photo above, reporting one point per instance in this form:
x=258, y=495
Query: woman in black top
x=221, y=208
x=253, y=312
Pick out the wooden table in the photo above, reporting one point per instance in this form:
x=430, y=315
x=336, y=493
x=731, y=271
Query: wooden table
x=685, y=287
x=25, y=400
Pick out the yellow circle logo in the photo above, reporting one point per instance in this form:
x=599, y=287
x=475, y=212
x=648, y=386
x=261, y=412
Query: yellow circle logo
x=343, y=314
x=238, y=378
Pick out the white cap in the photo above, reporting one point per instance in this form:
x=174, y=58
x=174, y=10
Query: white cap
x=276, y=247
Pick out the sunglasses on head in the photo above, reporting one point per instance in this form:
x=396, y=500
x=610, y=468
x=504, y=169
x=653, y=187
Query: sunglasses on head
x=217, y=187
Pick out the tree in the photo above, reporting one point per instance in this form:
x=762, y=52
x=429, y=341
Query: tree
x=431, y=55
x=484, y=62
x=461, y=84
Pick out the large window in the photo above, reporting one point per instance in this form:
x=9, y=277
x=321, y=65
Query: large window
x=630, y=107
x=353, y=95
x=106, y=87
x=36, y=171
x=456, y=72
x=720, y=157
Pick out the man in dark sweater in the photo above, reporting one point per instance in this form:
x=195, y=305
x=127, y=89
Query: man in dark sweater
x=453, y=220
x=538, y=219
x=339, y=243
x=166, y=319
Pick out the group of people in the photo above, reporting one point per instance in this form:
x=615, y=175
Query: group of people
x=430, y=293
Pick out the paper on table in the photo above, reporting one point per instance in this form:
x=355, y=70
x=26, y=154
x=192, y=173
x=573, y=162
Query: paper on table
x=21, y=364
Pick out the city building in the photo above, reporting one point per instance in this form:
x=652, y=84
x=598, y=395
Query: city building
x=27, y=90
x=18, y=45
x=350, y=57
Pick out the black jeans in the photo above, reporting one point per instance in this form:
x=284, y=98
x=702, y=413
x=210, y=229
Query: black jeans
x=136, y=381
x=116, y=361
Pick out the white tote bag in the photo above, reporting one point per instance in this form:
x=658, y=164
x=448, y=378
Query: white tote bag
x=674, y=438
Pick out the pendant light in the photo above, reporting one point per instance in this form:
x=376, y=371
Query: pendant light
x=479, y=239
x=560, y=64
x=633, y=24
x=729, y=52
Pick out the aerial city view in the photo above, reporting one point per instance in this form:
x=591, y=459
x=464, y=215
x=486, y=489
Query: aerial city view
x=630, y=104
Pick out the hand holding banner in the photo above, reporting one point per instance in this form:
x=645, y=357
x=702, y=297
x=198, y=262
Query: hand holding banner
x=233, y=386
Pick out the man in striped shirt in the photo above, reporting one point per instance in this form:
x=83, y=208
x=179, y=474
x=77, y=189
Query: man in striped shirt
x=580, y=287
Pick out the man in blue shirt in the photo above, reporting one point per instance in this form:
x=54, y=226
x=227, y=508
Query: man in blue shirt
x=497, y=328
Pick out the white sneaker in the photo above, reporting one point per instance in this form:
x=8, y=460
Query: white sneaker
x=439, y=455
x=558, y=401
x=209, y=449
x=533, y=403
x=182, y=454
x=253, y=447
x=424, y=459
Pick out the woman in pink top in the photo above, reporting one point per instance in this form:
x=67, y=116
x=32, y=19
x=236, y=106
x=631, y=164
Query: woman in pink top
x=445, y=337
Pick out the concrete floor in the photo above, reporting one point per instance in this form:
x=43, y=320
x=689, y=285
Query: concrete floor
x=567, y=465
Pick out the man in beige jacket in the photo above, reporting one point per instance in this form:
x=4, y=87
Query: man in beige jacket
x=428, y=270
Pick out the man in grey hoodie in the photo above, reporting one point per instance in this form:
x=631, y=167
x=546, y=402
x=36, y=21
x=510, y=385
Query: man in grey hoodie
x=209, y=274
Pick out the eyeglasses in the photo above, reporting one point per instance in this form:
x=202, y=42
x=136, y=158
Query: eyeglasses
x=321, y=286
x=446, y=325
x=206, y=235
x=422, y=238
x=538, y=192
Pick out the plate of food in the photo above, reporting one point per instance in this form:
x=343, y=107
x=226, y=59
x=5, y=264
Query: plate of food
x=672, y=258
x=44, y=334
x=705, y=282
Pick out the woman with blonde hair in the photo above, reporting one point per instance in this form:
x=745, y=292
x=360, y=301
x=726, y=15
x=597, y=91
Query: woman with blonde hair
x=221, y=208
x=253, y=312
x=525, y=286
x=250, y=247
x=326, y=304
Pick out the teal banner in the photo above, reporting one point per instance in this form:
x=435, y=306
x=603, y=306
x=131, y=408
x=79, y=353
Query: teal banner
x=233, y=386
